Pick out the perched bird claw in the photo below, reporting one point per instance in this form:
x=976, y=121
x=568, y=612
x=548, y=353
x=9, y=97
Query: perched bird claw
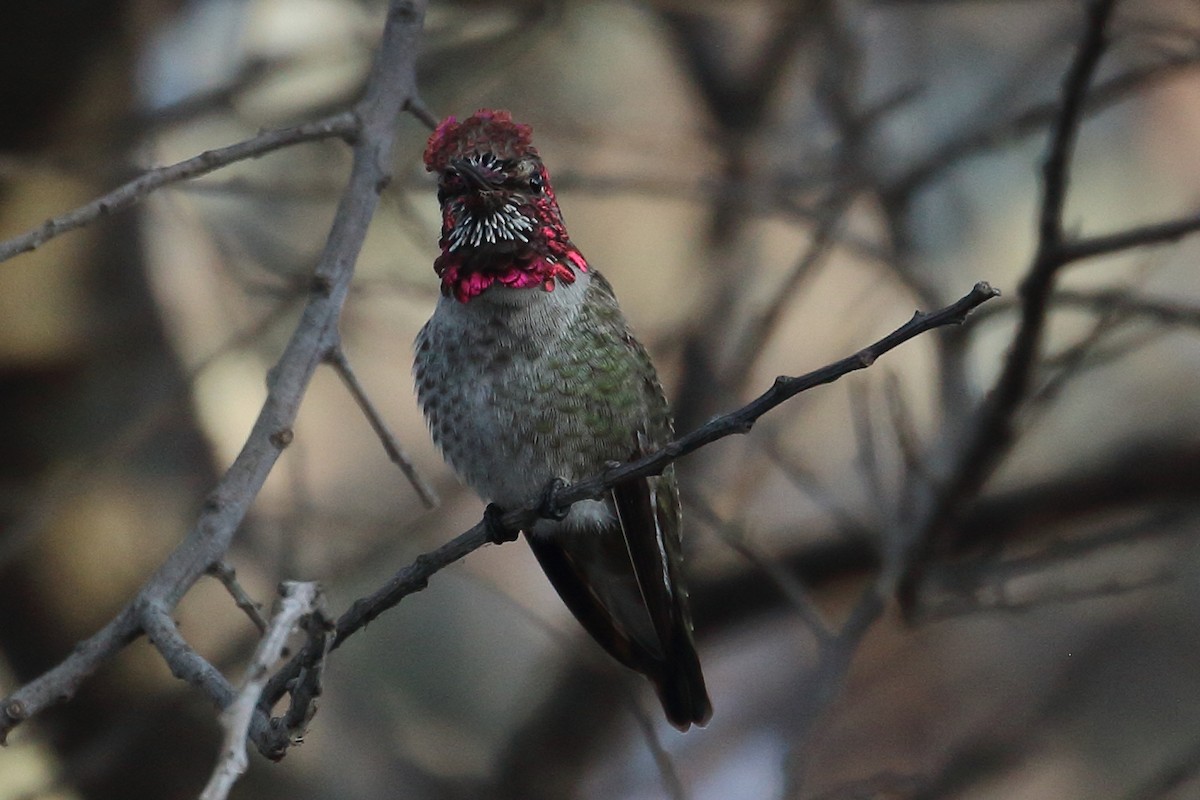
x=548, y=507
x=498, y=532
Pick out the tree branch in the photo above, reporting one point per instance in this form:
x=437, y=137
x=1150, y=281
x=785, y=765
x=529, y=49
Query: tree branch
x=344, y=125
x=992, y=432
x=1142, y=236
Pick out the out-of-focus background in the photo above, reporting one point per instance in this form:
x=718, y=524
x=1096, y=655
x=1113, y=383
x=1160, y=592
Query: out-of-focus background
x=769, y=186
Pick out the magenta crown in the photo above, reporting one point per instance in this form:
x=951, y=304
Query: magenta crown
x=486, y=131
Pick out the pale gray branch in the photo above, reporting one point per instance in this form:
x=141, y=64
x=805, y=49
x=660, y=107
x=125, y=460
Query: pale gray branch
x=297, y=600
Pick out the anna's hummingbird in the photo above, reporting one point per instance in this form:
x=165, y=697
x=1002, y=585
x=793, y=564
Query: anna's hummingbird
x=527, y=372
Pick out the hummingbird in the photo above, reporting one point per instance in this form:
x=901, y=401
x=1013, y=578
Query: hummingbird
x=528, y=376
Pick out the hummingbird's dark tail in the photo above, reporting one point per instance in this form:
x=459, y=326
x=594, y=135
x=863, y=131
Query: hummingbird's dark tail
x=680, y=685
x=624, y=582
x=673, y=667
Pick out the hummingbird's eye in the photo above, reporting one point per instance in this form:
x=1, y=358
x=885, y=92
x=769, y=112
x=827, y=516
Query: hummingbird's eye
x=536, y=184
x=451, y=183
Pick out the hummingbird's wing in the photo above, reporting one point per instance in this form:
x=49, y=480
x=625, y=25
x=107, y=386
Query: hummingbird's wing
x=648, y=509
x=646, y=532
x=624, y=585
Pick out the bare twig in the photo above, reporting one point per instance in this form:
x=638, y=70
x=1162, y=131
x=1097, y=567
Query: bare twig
x=336, y=357
x=227, y=575
x=759, y=329
x=1074, y=359
x=904, y=427
x=249, y=75
x=982, y=584
x=1142, y=236
x=62, y=681
x=297, y=599
x=290, y=728
x=344, y=125
x=154, y=618
x=1114, y=586
x=416, y=106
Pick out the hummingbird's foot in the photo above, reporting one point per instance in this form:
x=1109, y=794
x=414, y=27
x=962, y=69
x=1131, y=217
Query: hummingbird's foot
x=548, y=507
x=498, y=532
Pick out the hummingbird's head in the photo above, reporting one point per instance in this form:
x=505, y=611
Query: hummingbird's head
x=500, y=220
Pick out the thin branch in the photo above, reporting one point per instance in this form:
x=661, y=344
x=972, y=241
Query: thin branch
x=1164, y=312
x=344, y=125
x=1142, y=236
x=759, y=329
x=416, y=106
x=227, y=575
x=336, y=357
x=297, y=600
x=1056, y=169
x=186, y=664
x=253, y=72
x=290, y=728
x=1167, y=472
x=1115, y=586
x=805, y=481
x=1079, y=356
x=982, y=585
x=916, y=474
x=825, y=682
x=904, y=427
